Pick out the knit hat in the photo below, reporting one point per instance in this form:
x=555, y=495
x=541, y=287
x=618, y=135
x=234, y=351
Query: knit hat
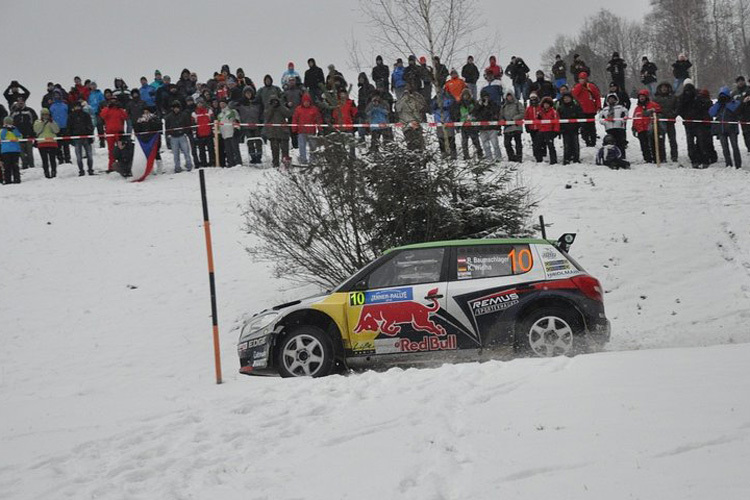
x=422, y=60
x=8, y=120
x=688, y=81
x=44, y=111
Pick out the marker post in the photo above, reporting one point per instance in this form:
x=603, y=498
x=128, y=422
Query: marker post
x=211, y=279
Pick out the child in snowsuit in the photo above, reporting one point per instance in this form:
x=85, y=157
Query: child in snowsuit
x=611, y=155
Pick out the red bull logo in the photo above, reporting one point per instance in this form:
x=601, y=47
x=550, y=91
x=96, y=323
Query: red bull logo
x=386, y=317
x=427, y=344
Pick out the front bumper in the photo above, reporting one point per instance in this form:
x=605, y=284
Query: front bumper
x=256, y=353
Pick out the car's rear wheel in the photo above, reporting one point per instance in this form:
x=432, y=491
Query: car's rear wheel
x=306, y=351
x=548, y=333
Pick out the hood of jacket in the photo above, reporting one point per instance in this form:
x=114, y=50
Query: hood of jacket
x=268, y=80
x=663, y=85
x=725, y=91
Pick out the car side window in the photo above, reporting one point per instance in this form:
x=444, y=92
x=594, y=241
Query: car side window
x=409, y=267
x=492, y=261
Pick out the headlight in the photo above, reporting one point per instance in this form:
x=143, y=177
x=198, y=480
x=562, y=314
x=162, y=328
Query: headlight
x=258, y=323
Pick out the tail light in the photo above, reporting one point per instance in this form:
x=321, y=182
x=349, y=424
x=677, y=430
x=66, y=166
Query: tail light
x=590, y=287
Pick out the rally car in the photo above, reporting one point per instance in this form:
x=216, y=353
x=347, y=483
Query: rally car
x=432, y=303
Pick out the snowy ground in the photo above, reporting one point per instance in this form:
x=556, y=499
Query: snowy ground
x=106, y=374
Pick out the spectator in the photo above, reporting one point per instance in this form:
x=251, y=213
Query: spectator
x=470, y=74
x=616, y=67
x=251, y=114
x=10, y=151
x=613, y=117
x=455, y=86
x=588, y=96
x=344, y=115
x=549, y=129
x=493, y=88
x=441, y=73
x=398, y=83
x=162, y=95
x=366, y=91
x=542, y=86
x=520, y=79
x=135, y=108
x=278, y=136
x=334, y=79
x=24, y=118
x=622, y=96
x=95, y=100
x=148, y=126
x=3, y=112
x=741, y=93
x=725, y=113
x=121, y=92
x=464, y=110
x=427, y=76
x=411, y=110
x=667, y=101
x=579, y=66
x=292, y=96
x=123, y=156
x=648, y=75
x=80, y=125
x=380, y=73
x=497, y=71
x=46, y=131
x=158, y=81
x=568, y=109
x=510, y=67
x=488, y=111
x=289, y=74
x=693, y=108
x=59, y=111
x=306, y=121
x=49, y=97
x=177, y=123
x=376, y=113
x=228, y=120
x=681, y=71
x=643, y=125
x=268, y=91
x=314, y=79
x=203, y=119
x=559, y=73
x=446, y=135
x=15, y=91
x=413, y=74
x=611, y=155
x=114, y=118
x=244, y=81
x=532, y=114
x=511, y=111
x=148, y=93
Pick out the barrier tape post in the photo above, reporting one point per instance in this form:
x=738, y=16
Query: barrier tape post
x=216, y=143
x=656, y=140
x=211, y=279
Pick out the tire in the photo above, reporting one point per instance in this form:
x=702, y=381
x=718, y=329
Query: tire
x=306, y=351
x=548, y=333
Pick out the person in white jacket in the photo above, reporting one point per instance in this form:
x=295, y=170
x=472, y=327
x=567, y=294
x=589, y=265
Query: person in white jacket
x=228, y=117
x=613, y=117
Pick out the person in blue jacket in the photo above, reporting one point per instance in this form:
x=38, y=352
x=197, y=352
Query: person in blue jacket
x=148, y=94
x=398, y=83
x=725, y=113
x=95, y=101
x=446, y=136
x=10, y=151
x=59, y=112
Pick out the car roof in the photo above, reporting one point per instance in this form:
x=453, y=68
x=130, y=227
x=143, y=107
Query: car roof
x=464, y=243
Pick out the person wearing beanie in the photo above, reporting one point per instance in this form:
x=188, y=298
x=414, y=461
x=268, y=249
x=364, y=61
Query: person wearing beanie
x=693, y=107
x=590, y=99
x=24, y=118
x=616, y=67
x=579, y=66
x=511, y=111
x=425, y=73
x=314, y=79
x=542, y=86
x=79, y=124
x=725, y=113
x=532, y=128
x=643, y=125
x=398, y=84
x=622, y=95
x=10, y=152
x=289, y=74
x=648, y=74
x=568, y=109
x=46, y=130
x=158, y=82
x=681, y=71
x=14, y=92
x=613, y=117
x=549, y=129
x=465, y=110
x=96, y=98
x=380, y=73
x=559, y=73
x=470, y=74
x=667, y=101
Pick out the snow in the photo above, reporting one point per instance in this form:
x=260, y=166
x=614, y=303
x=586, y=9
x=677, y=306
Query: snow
x=106, y=371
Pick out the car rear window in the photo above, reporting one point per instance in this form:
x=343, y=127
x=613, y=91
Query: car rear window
x=492, y=261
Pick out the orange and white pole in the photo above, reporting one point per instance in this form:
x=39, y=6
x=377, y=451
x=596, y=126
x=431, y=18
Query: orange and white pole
x=211, y=279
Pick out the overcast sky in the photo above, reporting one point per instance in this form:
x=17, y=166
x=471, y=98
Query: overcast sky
x=53, y=41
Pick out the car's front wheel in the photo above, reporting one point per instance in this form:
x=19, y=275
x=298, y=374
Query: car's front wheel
x=548, y=333
x=306, y=351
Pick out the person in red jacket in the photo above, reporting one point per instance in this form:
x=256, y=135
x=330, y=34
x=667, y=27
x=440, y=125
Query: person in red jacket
x=497, y=71
x=344, y=114
x=305, y=122
x=550, y=129
x=114, y=118
x=590, y=99
x=532, y=113
x=643, y=125
x=203, y=118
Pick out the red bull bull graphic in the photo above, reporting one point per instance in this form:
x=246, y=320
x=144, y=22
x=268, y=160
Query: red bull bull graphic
x=384, y=311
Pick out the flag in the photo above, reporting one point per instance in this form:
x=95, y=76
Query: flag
x=144, y=164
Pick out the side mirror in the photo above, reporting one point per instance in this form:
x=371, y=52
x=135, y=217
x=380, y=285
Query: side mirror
x=566, y=241
x=361, y=285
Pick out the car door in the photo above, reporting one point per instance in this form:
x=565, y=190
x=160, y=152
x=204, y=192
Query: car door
x=397, y=307
x=486, y=285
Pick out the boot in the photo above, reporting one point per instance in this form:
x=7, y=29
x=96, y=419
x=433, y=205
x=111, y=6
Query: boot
x=81, y=173
x=91, y=171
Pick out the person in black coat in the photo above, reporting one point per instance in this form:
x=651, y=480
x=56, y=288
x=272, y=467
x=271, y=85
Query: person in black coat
x=622, y=95
x=14, y=92
x=692, y=105
x=470, y=74
x=24, y=118
x=381, y=74
x=568, y=109
x=542, y=87
x=314, y=77
x=616, y=67
x=79, y=123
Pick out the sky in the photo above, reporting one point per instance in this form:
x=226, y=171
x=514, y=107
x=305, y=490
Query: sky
x=47, y=41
